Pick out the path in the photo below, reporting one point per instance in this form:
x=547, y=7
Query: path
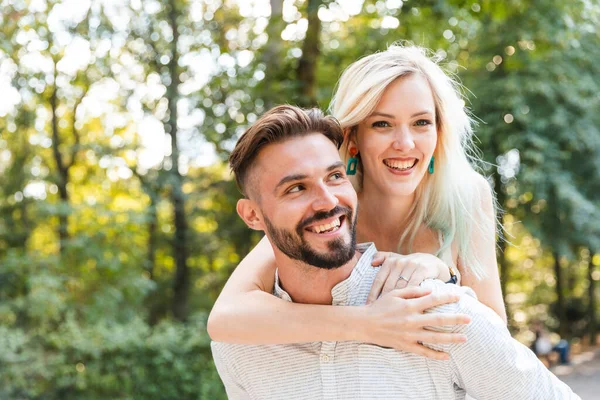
x=583, y=375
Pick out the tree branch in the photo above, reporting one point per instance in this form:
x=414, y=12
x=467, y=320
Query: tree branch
x=75, y=131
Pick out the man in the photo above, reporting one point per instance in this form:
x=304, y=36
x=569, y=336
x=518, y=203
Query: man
x=289, y=168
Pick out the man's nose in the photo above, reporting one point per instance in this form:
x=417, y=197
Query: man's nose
x=324, y=199
x=403, y=139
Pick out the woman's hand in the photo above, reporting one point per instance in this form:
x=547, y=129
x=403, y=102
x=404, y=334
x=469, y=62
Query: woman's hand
x=397, y=320
x=398, y=271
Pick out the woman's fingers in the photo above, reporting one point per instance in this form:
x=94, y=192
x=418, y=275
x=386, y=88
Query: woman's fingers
x=434, y=300
x=419, y=349
x=397, y=320
x=439, y=319
x=379, y=258
x=417, y=277
x=393, y=278
x=378, y=283
x=441, y=337
x=410, y=293
x=406, y=274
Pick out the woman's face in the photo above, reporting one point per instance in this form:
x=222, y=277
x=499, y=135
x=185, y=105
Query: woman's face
x=397, y=140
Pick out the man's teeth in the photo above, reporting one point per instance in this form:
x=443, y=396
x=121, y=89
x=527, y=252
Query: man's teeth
x=326, y=228
x=402, y=165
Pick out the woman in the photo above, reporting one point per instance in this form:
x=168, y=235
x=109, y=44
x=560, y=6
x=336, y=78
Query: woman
x=407, y=137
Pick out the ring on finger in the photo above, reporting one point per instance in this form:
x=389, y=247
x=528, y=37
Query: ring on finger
x=402, y=278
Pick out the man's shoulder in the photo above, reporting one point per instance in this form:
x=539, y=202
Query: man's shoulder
x=236, y=350
x=467, y=304
x=438, y=288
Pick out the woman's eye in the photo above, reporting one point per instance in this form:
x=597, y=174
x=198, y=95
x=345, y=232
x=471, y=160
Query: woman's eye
x=380, y=124
x=423, y=122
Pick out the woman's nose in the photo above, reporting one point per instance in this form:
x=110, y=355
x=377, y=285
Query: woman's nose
x=403, y=140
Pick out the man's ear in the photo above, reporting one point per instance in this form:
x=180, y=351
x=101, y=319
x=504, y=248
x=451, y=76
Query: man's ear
x=248, y=210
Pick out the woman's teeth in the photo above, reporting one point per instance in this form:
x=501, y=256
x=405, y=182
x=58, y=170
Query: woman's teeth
x=326, y=228
x=400, y=165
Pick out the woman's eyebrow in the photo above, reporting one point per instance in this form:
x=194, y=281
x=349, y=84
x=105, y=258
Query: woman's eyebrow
x=381, y=114
x=386, y=115
x=422, y=113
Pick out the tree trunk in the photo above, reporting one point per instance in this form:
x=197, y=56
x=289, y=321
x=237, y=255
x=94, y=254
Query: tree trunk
x=503, y=263
x=560, y=297
x=153, y=312
x=62, y=170
x=272, y=53
x=307, y=66
x=592, y=328
x=180, y=250
x=274, y=28
x=151, y=245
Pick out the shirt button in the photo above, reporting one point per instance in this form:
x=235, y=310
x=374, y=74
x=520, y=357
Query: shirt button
x=325, y=358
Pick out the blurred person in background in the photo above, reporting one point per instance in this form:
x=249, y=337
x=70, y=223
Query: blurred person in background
x=545, y=344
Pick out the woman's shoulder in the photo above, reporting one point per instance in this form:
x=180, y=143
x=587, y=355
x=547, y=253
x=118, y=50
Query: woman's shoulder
x=481, y=189
x=480, y=182
x=485, y=192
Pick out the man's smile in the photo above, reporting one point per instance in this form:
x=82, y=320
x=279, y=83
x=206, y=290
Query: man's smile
x=329, y=225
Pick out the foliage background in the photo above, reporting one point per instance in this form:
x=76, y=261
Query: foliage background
x=117, y=211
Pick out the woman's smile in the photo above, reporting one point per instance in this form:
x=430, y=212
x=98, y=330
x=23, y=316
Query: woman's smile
x=403, y=166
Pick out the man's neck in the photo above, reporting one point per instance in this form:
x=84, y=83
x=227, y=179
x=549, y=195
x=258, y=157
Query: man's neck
x=311, y=285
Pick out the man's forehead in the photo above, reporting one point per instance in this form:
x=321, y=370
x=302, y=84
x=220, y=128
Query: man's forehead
x=301, y=155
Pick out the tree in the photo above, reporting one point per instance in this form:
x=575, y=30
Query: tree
x=307, y=65
x=540, y=75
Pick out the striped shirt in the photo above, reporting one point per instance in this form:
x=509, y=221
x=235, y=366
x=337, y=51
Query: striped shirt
x=490, y=365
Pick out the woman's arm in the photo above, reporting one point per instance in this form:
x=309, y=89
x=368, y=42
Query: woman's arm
x=483, y=242
x=246, y=313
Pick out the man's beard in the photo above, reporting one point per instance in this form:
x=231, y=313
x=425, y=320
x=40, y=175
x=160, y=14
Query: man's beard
x=293, y=244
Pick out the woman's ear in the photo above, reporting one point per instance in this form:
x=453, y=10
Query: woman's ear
x=350, y=134
x=249, y=212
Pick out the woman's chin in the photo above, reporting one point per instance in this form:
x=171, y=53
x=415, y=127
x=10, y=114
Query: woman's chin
x=400, y=190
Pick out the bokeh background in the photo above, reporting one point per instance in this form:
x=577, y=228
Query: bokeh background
x=117, y=218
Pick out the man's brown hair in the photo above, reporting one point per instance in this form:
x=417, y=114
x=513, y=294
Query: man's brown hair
x=277, y=125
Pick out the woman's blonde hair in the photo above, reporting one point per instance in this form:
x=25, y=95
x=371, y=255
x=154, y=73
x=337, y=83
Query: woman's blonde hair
x=449, y=200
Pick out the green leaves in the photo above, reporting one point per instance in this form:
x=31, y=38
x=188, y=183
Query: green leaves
x=96, y=323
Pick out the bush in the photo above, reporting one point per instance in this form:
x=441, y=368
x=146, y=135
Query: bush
x=109, y=361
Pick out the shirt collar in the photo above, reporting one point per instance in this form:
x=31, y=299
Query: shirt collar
x=341, y=291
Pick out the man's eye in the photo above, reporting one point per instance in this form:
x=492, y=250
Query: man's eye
x=423, y=122
x=295, y=189
x=380, y=124
x=336, y=176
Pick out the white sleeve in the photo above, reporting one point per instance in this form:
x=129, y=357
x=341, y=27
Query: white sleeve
x=235, y=390
x=492, y=365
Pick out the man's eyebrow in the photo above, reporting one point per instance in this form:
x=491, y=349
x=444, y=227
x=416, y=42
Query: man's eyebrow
x=336, y=165
x=290, y=178
x=299, y=177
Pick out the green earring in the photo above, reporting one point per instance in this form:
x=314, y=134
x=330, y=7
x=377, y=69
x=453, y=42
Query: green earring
x=431, y=164
x=352, y=162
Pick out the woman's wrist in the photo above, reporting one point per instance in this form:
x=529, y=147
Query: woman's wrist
x=359, y=320
x=444, y=272
x=453, y=276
